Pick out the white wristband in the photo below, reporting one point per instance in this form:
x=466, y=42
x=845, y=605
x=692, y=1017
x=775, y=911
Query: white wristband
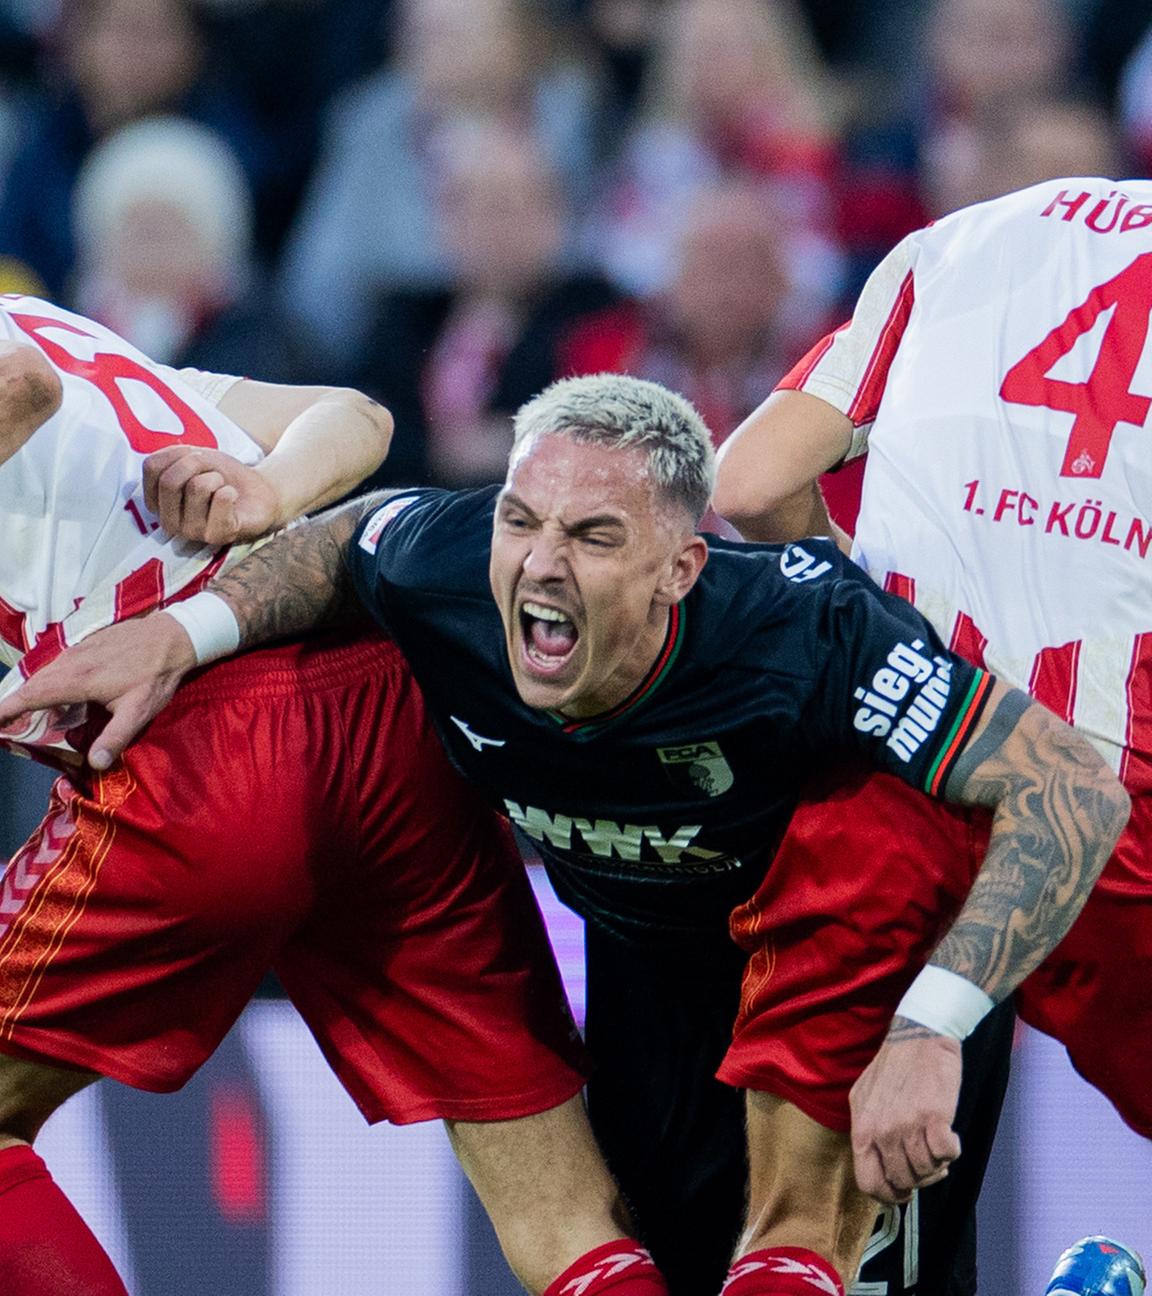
x=945, y=1002
x=210, y=623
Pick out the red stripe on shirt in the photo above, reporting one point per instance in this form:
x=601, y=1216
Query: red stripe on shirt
x=13, y=626
x=800, y=372
x=904, y=586
x=1053, y=679
x=1136, y=766
x=49, y=645
x=871, y=390
x=967, y=640
x=140, y=591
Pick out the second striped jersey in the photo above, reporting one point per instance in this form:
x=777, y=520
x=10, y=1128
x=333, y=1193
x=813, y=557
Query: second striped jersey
x=996, y=370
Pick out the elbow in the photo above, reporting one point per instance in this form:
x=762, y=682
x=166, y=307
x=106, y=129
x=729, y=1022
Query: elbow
x=30, y=388
x=1104, y=802
x=748, y=510
x=738, y=501
x=375, y=425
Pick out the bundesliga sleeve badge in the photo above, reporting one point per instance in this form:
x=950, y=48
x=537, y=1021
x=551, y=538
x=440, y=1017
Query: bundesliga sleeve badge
x=374, y=528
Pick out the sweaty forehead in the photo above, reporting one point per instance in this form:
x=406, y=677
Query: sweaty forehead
x=558, y=477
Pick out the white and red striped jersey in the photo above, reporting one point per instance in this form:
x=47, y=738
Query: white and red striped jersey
x=997, y=371
x=79, y=548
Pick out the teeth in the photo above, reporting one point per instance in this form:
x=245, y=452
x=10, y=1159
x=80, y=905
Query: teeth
x=542, y=613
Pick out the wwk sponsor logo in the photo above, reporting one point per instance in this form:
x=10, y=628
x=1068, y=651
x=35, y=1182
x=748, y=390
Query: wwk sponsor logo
x=905, y=699
x=608, y=839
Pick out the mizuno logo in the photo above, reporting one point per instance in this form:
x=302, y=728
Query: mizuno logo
x=474, y=738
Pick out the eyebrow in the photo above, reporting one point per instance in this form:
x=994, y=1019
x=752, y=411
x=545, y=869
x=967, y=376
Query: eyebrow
x=597, y=520
x=583, y=524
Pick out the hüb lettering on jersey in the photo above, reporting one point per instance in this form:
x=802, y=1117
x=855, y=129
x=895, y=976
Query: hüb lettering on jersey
x=894, y=708
x=697, y=767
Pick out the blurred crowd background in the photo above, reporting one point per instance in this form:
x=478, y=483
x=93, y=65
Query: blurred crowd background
x=448, y=203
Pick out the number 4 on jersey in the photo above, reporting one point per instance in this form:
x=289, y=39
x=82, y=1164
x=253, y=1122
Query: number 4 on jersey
x=1104, y=399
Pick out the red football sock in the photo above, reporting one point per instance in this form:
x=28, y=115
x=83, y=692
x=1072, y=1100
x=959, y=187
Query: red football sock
x=623, y=1268
x=782, y=1271
x=46, y=1249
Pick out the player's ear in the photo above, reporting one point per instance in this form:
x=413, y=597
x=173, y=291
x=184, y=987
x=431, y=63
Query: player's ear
x=683, y=571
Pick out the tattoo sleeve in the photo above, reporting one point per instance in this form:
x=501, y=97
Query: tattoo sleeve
x=299, y=580
x=1058, y=811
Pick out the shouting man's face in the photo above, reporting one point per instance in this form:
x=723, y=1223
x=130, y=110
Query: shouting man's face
x=587, y=557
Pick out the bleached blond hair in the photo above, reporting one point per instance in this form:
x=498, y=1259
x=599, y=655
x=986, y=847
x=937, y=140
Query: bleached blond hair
x=620, y=411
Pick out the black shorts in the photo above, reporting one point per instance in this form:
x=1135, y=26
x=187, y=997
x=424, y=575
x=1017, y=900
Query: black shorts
x=658, y=1025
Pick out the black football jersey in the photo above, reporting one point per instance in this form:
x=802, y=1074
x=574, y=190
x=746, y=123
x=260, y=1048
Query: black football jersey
x=655, y=819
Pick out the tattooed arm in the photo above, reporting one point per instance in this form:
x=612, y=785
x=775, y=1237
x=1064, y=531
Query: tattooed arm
x=294, y=583
x=1057, y=813
x=299, y=580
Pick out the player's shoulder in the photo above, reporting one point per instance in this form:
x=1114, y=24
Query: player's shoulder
x=750, y=593
x=766, y=572
x=429, y=538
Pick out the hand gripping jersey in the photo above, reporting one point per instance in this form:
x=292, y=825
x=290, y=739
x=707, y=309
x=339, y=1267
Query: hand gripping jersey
x=79, y=549
x=997, y=371
x=660, y=816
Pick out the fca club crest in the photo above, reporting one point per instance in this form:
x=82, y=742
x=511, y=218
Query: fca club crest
x=697, y=767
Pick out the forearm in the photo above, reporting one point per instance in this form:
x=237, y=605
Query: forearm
x=297, y=581
x=792, y=518
x=326, y=451
x=1058, y=811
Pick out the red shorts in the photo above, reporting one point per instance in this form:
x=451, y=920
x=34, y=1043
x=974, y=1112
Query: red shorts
x=866, y=882
x=292, y=808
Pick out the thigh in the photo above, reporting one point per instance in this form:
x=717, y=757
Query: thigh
x=865, y=883
x=1094, y=991
x=424, y=970
x=140, y=916
x=673, y=1135
x=863, y=886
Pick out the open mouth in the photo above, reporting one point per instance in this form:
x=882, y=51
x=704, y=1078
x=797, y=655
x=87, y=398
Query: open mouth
x=549, y=637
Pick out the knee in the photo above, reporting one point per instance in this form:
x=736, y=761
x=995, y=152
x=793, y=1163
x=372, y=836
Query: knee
x=30, y=1092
